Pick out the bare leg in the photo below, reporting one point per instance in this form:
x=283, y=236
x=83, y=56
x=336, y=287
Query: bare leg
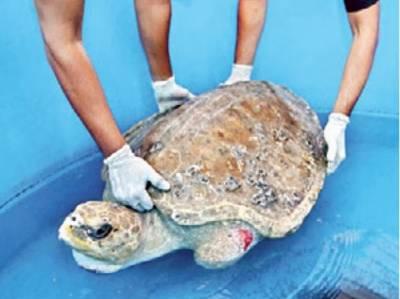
x=154, y=18
x=251, y=16
x=61, y=23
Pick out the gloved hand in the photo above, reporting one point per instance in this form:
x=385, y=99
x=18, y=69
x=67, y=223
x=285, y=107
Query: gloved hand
x=240, y=72
x=334, y=134
x=128, y=176
x=170, y=94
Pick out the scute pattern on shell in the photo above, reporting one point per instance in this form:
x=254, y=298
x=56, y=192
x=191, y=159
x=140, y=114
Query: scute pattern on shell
x=251, y=151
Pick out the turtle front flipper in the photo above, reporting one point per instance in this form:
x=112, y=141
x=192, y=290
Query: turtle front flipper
x=225, y=246
x=92, y=264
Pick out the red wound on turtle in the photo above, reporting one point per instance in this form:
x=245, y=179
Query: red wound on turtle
x=247, y=237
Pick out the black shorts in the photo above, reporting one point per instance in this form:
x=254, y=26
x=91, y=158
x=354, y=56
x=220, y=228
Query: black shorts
x=356, y=5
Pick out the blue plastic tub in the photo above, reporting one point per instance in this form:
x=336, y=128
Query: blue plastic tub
x=347, y=245
x=49, y=163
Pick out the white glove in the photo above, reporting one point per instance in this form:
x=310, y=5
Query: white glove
x=128, y=176
x=334, y=134
x=170, y=94
x=240, y=72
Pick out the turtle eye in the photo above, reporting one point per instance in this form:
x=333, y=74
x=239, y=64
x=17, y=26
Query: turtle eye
x=100, y=233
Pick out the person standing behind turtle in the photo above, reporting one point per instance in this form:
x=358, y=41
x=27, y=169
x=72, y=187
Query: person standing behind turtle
x=154, y=22
x=61, y=25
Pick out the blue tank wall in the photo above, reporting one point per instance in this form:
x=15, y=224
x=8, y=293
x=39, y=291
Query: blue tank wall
x=304, y=47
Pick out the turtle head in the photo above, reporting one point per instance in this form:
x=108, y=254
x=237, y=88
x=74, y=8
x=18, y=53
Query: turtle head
x=103, y=230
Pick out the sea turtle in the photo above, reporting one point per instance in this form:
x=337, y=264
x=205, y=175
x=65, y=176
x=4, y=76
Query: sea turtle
x=244, y=161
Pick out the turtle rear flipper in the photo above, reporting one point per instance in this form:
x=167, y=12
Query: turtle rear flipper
x=225, y=246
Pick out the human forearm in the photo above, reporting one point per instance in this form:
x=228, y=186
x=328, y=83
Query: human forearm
x=251, y=17
x=82, y=88
x=365, y=27
x=356, y=73
x=61, y=23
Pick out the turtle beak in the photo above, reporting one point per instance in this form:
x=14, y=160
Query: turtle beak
x=65, y=234
x=72, y=235
x=66, y=231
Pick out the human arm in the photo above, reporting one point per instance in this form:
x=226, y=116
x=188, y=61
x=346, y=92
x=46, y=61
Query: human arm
x=61, y=25
x=364, y=24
